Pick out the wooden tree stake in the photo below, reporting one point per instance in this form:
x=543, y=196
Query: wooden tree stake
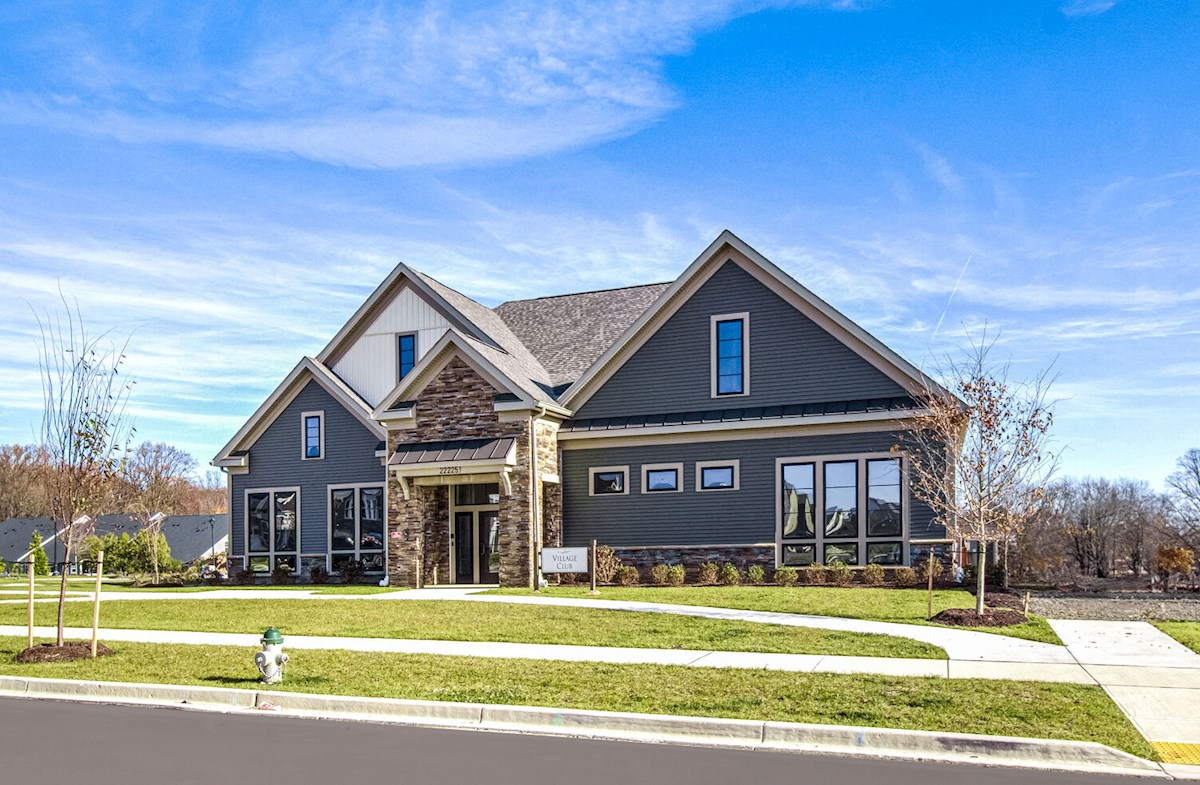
x=96, y=602
x=593, y=570
x=31, y=571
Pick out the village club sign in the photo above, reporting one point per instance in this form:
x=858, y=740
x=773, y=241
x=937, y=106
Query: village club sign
x=564, y=560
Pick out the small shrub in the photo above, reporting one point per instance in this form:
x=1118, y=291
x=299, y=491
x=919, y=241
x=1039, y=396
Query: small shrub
x=244, y=577
x=675, y=575
x=659, y=574
x=318, y=574
x=281, y=575
x=607, y=564
x=785, y=576
x=707, y=574
x=729, y=575
x=568, y=578
x=756, y=574
x=934, y=564
x=840, y=574
x=352, y=571
x=905, y=576
x=814, y=575
x=1170, y=559
x=627, y=575
x=872, y=575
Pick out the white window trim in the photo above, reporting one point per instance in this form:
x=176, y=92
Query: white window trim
x=744, y=316
x=271, y=554
x=304, y=435
x=357, y=550
x=416, y=353
x=593, y=471
x=737, y=475
x=818, y=462
x=651, y=467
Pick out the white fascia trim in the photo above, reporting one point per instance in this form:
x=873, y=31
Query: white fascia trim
x=434, y=361
x=521, y=406
x=899, y=369
x=240, y=462
x=286, y=392
x=423, y=290
x=740, y=425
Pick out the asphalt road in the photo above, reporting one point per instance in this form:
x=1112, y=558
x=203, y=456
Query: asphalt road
x=59, y=742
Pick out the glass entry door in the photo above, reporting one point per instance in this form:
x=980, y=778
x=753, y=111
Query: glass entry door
x=476, y=546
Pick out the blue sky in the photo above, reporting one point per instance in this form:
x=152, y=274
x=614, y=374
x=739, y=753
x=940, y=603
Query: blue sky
x=229, y=180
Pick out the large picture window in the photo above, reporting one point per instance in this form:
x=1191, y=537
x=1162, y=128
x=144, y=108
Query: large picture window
x=356, y=526
x=273, y=528
x=862, y=515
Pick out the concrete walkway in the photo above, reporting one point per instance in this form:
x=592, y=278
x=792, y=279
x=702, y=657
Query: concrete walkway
x=1152, y=677
x=796, y=663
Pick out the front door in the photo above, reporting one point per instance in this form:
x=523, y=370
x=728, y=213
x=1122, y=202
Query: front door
x=476, y=546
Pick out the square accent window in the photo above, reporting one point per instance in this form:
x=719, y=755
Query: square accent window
x=843, y=551
x=407, y=353
x=799, y=555
x=885, y=553
x=717, y=476
x=312, y=434
x=730, y=354
x=608, y=481
x=662, y=478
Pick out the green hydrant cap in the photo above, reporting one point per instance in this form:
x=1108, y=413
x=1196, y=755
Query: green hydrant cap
x=272, y=636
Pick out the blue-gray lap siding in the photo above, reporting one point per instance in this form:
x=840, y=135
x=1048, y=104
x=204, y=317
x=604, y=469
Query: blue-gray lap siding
x=792, y=359
x=738, y=517
x=275, y=462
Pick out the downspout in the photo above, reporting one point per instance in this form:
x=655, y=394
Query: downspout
x=534, y=503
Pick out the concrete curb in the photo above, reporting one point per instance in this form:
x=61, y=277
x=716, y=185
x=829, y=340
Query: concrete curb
x=1046, y=754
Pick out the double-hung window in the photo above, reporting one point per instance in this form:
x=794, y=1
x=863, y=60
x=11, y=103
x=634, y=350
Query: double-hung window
x=730, y=354
x=312, y=435
x=860, y=504
x=406, y=358
x=356, y=526
x=273, y=528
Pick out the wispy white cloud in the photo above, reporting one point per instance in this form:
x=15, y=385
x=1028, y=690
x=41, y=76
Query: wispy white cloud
x=1087, y=7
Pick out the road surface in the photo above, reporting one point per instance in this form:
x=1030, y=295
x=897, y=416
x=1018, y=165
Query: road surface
x=60, y=742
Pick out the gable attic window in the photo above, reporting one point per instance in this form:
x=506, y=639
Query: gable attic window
x=730, y=354
x=312, y=435
x=406, y=358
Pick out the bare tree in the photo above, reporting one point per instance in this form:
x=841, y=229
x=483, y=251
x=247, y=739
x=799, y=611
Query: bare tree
x=979, y=456
x=85, y=428
x=1184, y=484
x=158, y=476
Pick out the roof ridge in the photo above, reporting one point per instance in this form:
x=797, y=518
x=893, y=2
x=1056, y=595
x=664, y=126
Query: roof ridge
x=589, y=291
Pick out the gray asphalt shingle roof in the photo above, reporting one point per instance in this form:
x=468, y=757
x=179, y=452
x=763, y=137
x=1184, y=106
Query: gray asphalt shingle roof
x=567, y=333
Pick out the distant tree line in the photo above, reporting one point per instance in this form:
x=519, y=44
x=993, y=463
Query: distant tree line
x=1105, y=528
x=154, y=477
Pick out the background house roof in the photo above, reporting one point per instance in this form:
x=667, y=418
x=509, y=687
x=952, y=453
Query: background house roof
x=568, y=332
x=188, y=535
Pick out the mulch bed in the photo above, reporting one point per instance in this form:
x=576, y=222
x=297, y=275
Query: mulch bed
x=967, y=617
x=71, y=650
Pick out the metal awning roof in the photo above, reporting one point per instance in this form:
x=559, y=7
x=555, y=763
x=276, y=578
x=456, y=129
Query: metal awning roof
x=454, y=451
x=751, y=414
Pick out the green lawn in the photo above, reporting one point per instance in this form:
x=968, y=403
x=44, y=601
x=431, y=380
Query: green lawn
x=86, y=585
x=907, y=606
x=473, y=621
x=1186, y=632
x=1013, y=708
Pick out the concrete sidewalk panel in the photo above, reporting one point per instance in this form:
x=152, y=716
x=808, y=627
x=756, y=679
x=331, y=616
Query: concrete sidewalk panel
x=1135, y=676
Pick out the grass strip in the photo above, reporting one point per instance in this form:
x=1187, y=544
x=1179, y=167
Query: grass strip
x=905, y=606
x=1186, y=632
x=474, y=621
x=1009, y=708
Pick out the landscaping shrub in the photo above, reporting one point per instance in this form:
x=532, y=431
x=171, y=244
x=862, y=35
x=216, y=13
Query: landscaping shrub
x=318, y=574
x=1170, y=559
x=627, y=575
x=814, y=575
x=905, y=576
x=568, y=578
x=41, y=564
x=755, y=574
x=729, y=575
x=785, y=576
x=872, y=575
x=934, y=564
x=245, y=577
x=659, y=574
x=707, y=574
x=675, y=575
x=352, y=571
x=839, y=573
x=281, y=575
x=607, y=564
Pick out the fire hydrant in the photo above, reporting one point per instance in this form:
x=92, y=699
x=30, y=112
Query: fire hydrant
x=271, y=659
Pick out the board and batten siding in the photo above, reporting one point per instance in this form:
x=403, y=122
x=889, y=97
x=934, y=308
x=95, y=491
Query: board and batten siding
x=792, y=359
x=369, y=366
x=744, y=516
x=275, y=462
